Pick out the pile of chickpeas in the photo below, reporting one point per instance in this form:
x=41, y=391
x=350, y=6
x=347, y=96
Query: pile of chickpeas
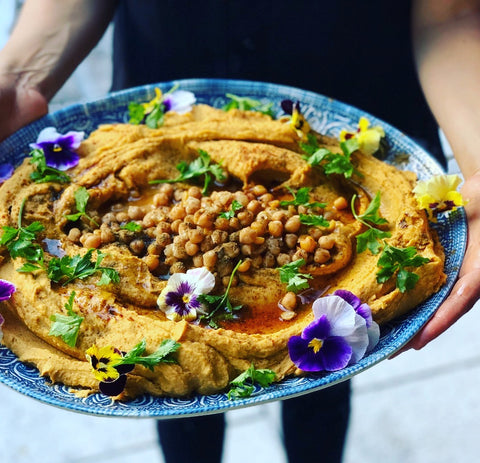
x=181, y=229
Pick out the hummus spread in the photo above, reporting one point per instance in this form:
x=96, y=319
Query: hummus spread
x=178, y=229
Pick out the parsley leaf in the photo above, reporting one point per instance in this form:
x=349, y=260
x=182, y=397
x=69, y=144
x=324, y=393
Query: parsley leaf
x=234, y=207
x=66, y=269
x=290, y=274
x=371, y=213
x=19, y=243
x=67, y=326
x=243, y=385
x=314, y=220
x=162, y=355
x=81, y=200
x=221, y=308
x=44, y=173
x=393, y=260
x=371, y=239
x=301, y=198
x=248, y=104
x=199, y=167
x=131, y=226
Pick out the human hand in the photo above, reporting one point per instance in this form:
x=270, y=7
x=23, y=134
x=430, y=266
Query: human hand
x=20, y=106
x=467, y=288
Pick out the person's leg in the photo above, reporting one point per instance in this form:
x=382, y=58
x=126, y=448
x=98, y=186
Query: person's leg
x=315, y=425
x=192, y=440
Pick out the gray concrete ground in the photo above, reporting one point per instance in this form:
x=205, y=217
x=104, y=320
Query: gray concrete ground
x=421, y=407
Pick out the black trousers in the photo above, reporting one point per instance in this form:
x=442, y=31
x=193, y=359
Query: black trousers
x=314, y=429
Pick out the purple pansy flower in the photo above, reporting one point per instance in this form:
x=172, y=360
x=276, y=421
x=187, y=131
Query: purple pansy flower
x=6, y=171
x=6, y=291
x=59, y=150
x=180, y=101
x=337, y=337
x=179, y=299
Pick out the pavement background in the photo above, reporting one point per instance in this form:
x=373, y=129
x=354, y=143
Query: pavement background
x=421, y=407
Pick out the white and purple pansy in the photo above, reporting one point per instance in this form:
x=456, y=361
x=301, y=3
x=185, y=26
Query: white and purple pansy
x=179, y=101
x=59, y=150
x=341, y=333
x=179, y=299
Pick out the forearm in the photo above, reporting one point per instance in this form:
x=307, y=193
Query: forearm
x=447, y=51
x=50, y=39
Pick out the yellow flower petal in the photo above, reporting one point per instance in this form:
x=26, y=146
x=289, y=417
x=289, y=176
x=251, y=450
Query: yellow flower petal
x=363, y=124
x=369, y=141
x=103, y=361
x=438, y=186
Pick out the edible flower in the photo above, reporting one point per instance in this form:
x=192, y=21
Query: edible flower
x=107, y=369
x=179, y=299
x=6, y=291
x=6, y=171
x=439, y=194
x=297, y=119
x=59, y=150
x=369, y=138
x=2, y=321
x=337, y=337
x=152, y=112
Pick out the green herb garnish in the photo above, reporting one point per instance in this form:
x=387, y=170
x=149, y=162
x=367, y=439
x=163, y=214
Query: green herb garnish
x=395, y=260
x=131, y=226
x=301, y=198
x=44, y=173
x=290, y=274
x=66, y=269
x=221, y=307
x=201, y=166
x=81, y=200
x=234, y=207
x=370, y=239
x=314, y=220
x=164, y=354
x=19, y=243
x=244, y=384
x=67, y=326
x=248, y=104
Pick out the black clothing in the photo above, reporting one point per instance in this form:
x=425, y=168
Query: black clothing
x=355, y=52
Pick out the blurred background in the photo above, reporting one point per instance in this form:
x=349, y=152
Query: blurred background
x=419, y=407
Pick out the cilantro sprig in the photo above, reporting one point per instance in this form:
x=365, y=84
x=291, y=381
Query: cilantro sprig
x=20, y=243
x=66, y=269
x=370, y=239
x=44, y=173
x=394, y=260
x=234, y=207
x=67, y=326
x=164, y=354
x=201, y=166
x=221, y=308
x=248, y=104
x=314, y=220
x=291, y=275
x=301, y=198
x=244, y=384
x=81, y=200
x=131, y=226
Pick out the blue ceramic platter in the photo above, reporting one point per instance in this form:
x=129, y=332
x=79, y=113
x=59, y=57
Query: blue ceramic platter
x=325, y=115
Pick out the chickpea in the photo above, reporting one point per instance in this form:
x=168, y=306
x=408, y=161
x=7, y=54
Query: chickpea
x=300, y=254
x=259, y=227
x=245, y=266
x=321, y=256
x=210, y=259
x=122, y=216
x=192, y=205
x=245, y=218
x=254, y=206
x=106, y=235
x=167, y=189
x=327, y=241
x=154, y=249
x=152, y=262
x=163, y=239
x=219, y=236
x=177, y=212
x=307, y=243
x=293, y=224
x=207, y=244
x=289, y=301
x=74, y=235
x=291, y=240
x=92, y=241
x=137, y=246
x=108, y=218
x=269, y=260
x=197, y=260
x=191, y=248
x=135, y=212
x=246, y=249
x=279, y=215
x=196, y=235
x=283, y=259
x=160, y=199
x=195, y=192
x=163, y=227
x=179, y=251
x=175, y=226
x=178, y=267
x=247, y=235
x=222, y=224
x=340, y=203
x=259, y=190
x=287, y=315
x=234, y=223
x=241, y=197
x=205, y=220
x=275, y=228
x=266, y=198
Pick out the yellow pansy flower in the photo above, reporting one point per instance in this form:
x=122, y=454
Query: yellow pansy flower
x=369, y=138
x=103, y=361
